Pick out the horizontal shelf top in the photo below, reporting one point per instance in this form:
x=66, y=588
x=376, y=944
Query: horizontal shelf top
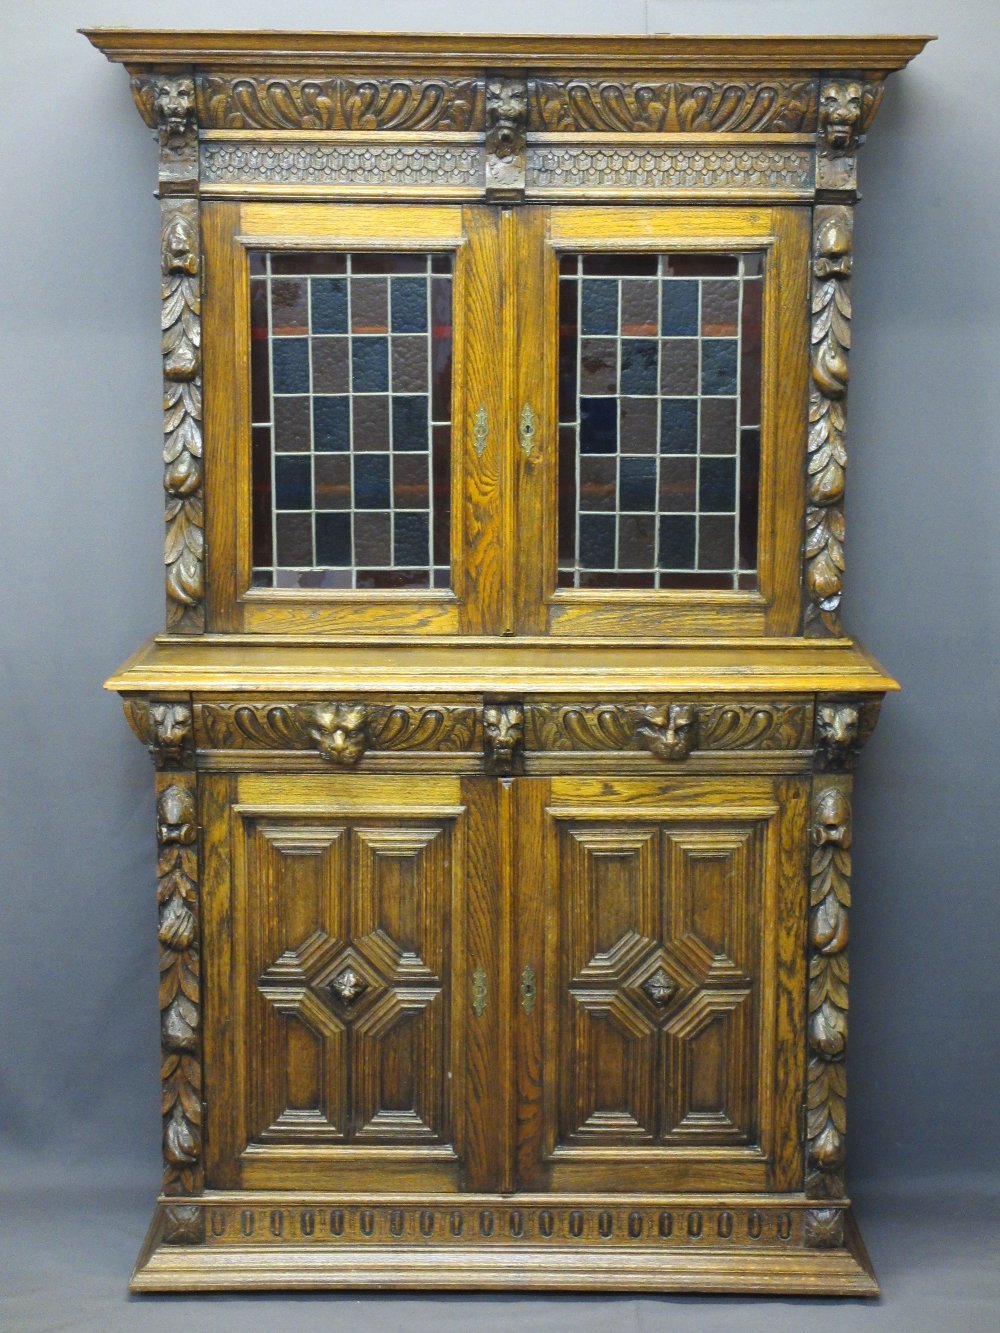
x=241, y=665
x=268, y=49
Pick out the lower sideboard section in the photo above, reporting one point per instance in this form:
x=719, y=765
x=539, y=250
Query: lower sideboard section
x=784, y=1245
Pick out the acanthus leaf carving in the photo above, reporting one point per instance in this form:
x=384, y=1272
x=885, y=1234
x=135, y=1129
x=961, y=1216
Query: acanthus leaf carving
x=184, y=545
x=180, y=983
x=830, y=900
x=827, y=454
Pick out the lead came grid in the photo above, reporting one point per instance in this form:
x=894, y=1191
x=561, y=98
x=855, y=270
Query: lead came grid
x=351, y=419
x=659, y=420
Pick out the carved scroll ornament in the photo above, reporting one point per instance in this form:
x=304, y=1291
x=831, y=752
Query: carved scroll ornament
x=180, y=987
x=735, y=726
x=827, y=454
x=830, y=899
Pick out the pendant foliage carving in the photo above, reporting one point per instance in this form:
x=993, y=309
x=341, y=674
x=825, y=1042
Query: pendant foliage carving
x=827, y=454
x=184, y=553
x=256, y=102
x=180, y=983
x=830, y=900
x=714, y=105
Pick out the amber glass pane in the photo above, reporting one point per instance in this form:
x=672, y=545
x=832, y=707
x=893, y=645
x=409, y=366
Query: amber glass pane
x=351, y=403
x=659, y=420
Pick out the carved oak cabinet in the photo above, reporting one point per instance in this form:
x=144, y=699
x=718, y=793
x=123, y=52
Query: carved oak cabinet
x=504, y=720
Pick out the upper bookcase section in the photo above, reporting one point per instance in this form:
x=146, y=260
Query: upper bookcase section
x=486, y=336
x=509, y=117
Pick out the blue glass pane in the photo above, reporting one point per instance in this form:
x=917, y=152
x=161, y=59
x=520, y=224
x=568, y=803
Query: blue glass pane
x=329, y=305
x=409, y=305
x=293, y=482
x=599, y=307
x=331, y=424
x=291, y=365
x=680, y=309
x=371, y=481
x=678, y=425
x=370, y=365
x=638, y=372
x=718, y=365
x=598, y=425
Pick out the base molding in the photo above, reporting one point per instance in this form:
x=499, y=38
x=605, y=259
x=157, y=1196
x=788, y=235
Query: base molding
x=263, y=1242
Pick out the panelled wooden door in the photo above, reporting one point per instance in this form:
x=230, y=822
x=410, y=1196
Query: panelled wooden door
x=659, y=948
x=351, y=929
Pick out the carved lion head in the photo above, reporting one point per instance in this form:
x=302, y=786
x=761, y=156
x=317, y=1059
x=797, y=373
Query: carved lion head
x=174, y=104
x=339, y=732
x=840, y=114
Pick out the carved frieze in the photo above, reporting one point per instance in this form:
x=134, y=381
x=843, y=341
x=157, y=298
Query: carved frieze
x=503, y=729
x=726, y=106
x=830, y=900
x=340, y=102
x=776, y=168
x=164, y=727
x=180, y=989
x=827, y=454
x=735, y=726
x=184, y=552
x=506, y=119
x=377, y=726
x=390, y=164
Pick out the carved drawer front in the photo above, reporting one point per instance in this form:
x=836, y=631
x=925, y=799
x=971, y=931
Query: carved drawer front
x=661, y=938
x=648, y=734
x=340, y=733
x=350, y=904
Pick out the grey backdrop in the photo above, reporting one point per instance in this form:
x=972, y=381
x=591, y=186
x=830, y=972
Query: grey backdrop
x=82, y=585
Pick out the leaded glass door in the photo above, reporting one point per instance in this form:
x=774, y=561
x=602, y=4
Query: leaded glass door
x=349, y=413
x=667, y=399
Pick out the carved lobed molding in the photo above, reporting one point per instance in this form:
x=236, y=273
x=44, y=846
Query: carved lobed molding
x=668, y=731
x=830, y=900
x=826, y=452
x=180, y=995
x=728, y=106
x=775, y=168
